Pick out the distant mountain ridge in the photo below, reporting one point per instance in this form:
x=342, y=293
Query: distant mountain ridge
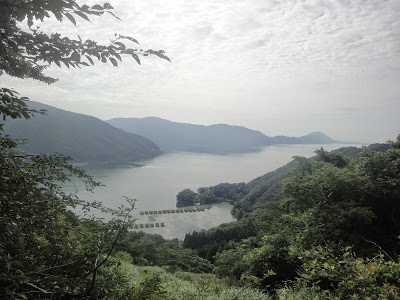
x=312, y=138
x=83, y=137
x=219, y=139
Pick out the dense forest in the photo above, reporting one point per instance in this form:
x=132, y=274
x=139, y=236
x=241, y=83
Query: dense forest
x=326, y=227
x=328, y=222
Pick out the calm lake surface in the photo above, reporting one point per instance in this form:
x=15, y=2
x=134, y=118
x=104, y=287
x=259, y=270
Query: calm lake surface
x=156, y=184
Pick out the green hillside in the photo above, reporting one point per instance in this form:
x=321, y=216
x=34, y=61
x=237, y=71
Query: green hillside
x=85, y=138
x=319, y=228
x=327, y=226
x=156, y=283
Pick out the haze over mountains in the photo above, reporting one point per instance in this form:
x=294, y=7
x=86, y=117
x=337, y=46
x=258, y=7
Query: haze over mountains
x=219, y=139
x=88, y=139
x=85, y=138
x=311, y=138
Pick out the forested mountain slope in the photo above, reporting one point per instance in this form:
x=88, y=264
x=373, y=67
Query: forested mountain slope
x=172, y=136
x=328, y=221
x=85, y=138
x=355, y=152
x=312, y=138
x=247, y=197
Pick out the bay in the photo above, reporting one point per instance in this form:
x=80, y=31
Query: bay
x=156, y=184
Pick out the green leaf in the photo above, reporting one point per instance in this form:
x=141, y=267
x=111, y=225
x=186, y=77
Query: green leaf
x=90, y=59
x=114, y=15
x=136, y=58
x=76, y=57
x=97, y=55
x=113, y=61
x=99, y=7
x=82, y=15
x=121, y=45
x=107, y=6
x=70, y=17
x=159, y=53
x=58, y=15
x=130, y=38
x=118, y=56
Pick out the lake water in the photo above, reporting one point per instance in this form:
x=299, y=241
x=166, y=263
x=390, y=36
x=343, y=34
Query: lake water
x=156, y=184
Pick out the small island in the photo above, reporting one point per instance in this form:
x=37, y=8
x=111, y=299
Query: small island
x=223, y=192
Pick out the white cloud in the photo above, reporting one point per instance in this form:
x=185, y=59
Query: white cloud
x=256, y=63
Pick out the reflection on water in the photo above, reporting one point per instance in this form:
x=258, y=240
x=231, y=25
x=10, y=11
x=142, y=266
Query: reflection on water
x=156, y=183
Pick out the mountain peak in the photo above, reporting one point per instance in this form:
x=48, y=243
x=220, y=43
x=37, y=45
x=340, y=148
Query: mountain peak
x=217, y=138
x=85, y=138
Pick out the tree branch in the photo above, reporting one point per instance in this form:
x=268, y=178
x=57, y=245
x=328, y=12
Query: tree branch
x=114, y=243
x=380, y=248
x=38, y=288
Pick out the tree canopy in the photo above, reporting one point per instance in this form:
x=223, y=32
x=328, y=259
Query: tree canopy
x=334, y=227
x=46, y=250
x=28, y=52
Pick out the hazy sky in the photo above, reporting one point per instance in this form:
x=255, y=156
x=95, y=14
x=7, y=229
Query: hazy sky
x=285, y=67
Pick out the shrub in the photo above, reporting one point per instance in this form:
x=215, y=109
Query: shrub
x=349, y=276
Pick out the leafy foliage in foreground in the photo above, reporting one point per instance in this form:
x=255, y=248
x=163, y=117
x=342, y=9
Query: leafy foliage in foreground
x=183, y=285
x=46, y=252
x=28, y=53
x=153, y=249
x=350, y=276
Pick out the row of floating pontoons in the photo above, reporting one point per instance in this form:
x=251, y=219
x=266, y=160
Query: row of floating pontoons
x=153, y=213
x=171, y=211
x=148, y=225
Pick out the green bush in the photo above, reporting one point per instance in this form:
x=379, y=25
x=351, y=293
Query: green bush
x=349, y=276
x=124, y=256
x=117, y=281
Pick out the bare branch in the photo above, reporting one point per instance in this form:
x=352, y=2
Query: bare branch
x=380, y=248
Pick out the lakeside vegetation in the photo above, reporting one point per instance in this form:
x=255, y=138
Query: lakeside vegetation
x=317, y=228
x=323, y=227
x=326, y=227
x=153, y=282
x=329, y=224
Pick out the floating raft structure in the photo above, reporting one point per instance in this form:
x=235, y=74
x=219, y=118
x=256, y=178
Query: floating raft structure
x=148, y=225
x=152, y=214
x=171, y=211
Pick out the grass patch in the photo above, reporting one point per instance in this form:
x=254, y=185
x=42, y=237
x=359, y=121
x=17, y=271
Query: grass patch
x=184, y=285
